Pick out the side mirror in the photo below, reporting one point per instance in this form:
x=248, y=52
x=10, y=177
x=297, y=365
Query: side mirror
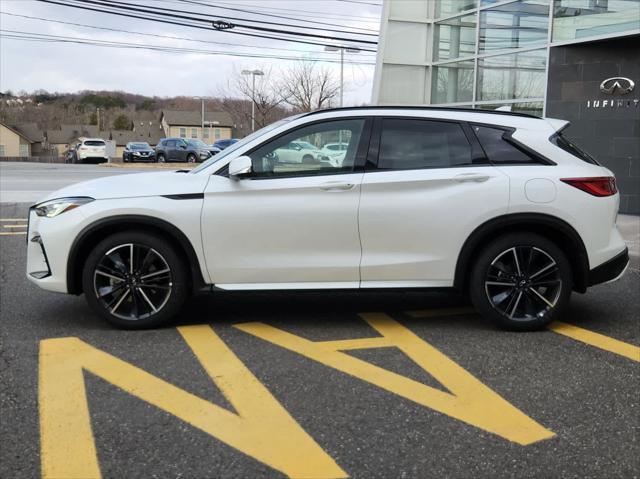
x=239, y=167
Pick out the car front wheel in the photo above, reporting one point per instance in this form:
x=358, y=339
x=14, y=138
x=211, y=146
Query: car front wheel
x=135, y=280
x=521, y=281
x=161, y=158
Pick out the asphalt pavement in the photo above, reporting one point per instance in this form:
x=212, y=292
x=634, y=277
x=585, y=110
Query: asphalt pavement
x=308, y=384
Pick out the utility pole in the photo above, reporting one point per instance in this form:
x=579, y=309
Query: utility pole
x=341, y=50
x=201, y=116
x=253, y=74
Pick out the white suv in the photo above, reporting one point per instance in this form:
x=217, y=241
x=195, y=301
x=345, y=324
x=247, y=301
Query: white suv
x=498, y=204
x=91, y=150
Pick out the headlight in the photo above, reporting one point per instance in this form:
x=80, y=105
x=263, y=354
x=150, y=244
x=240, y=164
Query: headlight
x=58, y=206
x=136, y=153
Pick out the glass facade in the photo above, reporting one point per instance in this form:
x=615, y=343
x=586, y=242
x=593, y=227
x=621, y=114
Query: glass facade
x=455, y=38
x=576, y=19
x=486, y=53
x=513, y=76
x=514, y=25
x=452, y=82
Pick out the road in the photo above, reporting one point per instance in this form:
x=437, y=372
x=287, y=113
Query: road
x=371, y=384
x=29, y=182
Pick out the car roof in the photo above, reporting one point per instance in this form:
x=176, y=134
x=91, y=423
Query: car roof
x=92, y=139
x=422, y=108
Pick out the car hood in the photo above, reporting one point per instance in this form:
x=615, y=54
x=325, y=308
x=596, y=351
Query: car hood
x=134, y=186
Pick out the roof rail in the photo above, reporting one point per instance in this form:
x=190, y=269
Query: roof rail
x=426, y=107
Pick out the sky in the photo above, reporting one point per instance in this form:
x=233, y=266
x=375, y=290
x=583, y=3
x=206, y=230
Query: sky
x=68, y=67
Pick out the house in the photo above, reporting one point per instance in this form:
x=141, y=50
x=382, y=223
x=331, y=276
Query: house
x=60, y=140
x=33, y=133
x=188, y=124
x=150, y=133
x=13, y=143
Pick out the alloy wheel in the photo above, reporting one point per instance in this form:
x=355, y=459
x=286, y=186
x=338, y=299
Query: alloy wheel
x=132, y=281
x=523, y=283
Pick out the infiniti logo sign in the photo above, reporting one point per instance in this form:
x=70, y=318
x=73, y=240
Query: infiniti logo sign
x=621, y=84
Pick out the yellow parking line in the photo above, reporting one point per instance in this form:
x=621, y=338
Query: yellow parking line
x=15, y=226
x=597, y=340
x=435, y=313
x=12, y=233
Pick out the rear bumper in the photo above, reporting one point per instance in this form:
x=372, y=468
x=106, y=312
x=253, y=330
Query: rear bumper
x=610, y=270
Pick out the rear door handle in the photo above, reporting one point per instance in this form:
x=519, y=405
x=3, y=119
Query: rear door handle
x=476, y=177
x=336, y=186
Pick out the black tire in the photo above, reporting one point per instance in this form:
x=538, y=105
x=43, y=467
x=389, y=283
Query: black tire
x=191, y=158
x=308, y=160
x=161, y=158
x=122, y=303
x=124, y=159
x=521, y=281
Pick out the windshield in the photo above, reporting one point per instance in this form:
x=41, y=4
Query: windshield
x=139, y=146
x=198, y=143
x=307, y=146
x=240, y=143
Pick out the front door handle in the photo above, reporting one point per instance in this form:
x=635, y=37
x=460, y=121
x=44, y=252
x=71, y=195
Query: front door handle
x=476, y=177
x=336, y=186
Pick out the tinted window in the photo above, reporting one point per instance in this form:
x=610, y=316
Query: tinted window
x=94, y=143
x=170, y=144
x=567, y=145
x=296, y=153
x=498, y=149
x=416, y=144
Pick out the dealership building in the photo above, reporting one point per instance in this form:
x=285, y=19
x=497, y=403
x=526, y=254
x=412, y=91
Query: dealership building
x=573, y=59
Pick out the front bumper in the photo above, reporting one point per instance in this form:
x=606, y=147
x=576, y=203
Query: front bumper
x=610, y=270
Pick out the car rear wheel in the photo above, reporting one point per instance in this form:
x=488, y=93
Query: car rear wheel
x=521, y=281
x=191, y=158
x=135, y=280
x=161, y=158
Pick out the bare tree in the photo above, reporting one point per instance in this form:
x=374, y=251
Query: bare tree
x=307, y=86
x=268, y=102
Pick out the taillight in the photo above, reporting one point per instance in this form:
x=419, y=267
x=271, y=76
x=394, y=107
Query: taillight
x=596, y=186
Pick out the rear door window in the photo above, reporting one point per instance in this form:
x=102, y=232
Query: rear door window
x=500, y=150
x=411, y=144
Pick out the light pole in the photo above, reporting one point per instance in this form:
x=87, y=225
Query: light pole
x=341, y=50
x=253, y=74
x=202, y=116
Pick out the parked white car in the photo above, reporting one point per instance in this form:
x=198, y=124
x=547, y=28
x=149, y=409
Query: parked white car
x=91, y=150
x=335, y=152
x=501, y=205
x=298, y=152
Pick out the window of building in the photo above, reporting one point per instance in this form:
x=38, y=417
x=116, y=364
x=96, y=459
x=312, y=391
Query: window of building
x=216, y=133
x=454, y=38
x=205, y=133
x=299, y=153
x=183, y=132
x=194, y=133
x=1, y=150
x=24, y=149
x=408, y=144
x=520, y=24
x=451, y=7
x=513, y=76
x=576, y=19
x=498, y=149
x=452, y=82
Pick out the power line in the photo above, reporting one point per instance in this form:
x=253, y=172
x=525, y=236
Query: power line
x=360, y=3
x=301, y=13
x=315, y=22
x=168, y=12
x=154, y=35
x=33, y=36
x=200, y=27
